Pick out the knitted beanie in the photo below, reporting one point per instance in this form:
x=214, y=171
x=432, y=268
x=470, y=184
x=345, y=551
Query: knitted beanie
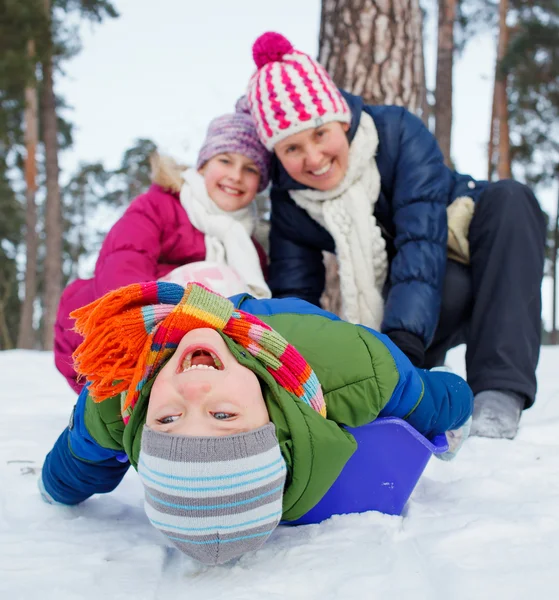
x=236, y=133
x=290, y=92
x=214, y=498
x=130, y=333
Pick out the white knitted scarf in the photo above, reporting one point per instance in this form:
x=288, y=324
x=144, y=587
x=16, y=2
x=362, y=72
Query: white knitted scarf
x=227, y=234
x=347, y=213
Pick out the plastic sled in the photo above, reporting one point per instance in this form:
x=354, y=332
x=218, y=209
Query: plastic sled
x=382, y=473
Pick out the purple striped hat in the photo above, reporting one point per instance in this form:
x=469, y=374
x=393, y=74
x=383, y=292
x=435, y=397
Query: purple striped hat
x=236, y=133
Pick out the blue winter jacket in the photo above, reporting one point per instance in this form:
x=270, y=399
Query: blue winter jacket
x=78, y=466
x=416, y=188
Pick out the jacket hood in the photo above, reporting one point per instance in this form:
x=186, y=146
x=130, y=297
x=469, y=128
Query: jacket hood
x=282, y=180
x=314, y=448
x=166, y=172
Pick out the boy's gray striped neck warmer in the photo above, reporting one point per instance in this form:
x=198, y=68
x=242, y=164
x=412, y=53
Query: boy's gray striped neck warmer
x=215, y=498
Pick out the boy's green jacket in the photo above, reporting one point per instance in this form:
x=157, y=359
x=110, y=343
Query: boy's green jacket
x=363, y=376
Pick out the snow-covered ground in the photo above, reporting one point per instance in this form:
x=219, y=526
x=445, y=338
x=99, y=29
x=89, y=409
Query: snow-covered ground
x=483, y=526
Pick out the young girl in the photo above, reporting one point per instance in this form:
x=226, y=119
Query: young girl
x=193, y=225
x=232, y=411
x=369, y=183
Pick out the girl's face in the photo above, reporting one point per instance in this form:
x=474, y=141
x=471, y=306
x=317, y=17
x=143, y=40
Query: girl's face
x=231, y=180
x=203, y=391
x=317, y=158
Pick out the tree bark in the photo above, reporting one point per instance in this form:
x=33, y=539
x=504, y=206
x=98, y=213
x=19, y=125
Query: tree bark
x=53, y=224
x=554, y=332
x=6, y=342
x=26, y=334
x=424, y=110
x=443, y=89
x=499, y=138
x=503, y=165
x=493, y=132
x=372, y=48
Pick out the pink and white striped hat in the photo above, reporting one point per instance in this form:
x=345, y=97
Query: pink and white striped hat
x=290, y=92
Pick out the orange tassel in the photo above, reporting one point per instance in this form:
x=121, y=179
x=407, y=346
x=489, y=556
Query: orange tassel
x=113, y=331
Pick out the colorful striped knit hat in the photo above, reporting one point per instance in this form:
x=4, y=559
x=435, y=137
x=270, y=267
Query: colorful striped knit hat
x=215, y=498
x=290, y=92
x=236, y=133
x=130, y=332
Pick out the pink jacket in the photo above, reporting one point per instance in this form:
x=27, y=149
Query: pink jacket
x=153, y=237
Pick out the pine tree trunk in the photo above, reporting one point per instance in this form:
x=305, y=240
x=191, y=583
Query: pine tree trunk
x=372, y=48
x=6, y=342
x=503, y=165
x=26, y=334
x=493, y=132
x=499, y=139
x=53, y=224
x=443, y=90
x=554, y=332
x=424, y=110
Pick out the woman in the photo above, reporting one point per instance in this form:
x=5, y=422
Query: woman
x=369, y=183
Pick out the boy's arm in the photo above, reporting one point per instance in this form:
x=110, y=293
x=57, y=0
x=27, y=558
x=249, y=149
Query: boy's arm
x=446, y=404
x=433, y=402
x=78, y=467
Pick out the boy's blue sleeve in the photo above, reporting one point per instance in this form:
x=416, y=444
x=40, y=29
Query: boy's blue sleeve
x=78, y=467
x=276, y=306
x=432, y=402
x=446, y=404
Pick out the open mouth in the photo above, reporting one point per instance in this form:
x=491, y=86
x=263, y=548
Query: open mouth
x=200, y=358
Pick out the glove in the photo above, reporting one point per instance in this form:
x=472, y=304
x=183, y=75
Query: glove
x=410, y=345
x=45, y=495
x=455, y=439
x=459, y=217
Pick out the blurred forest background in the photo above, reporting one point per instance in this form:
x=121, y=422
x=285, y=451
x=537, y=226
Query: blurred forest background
x=52, y=224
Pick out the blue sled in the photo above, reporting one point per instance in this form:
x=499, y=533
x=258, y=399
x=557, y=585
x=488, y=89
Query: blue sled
x=381, y=475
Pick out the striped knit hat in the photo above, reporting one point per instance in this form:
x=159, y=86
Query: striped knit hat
x=290, y=92
x=214, y=498
x=129, y=333
x=236, y=133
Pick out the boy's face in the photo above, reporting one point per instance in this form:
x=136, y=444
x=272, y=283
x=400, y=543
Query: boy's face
x=317, y=158
x=204, y=391
x=231, y=180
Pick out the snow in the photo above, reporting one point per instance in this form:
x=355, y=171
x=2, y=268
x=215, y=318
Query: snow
x=483, y=526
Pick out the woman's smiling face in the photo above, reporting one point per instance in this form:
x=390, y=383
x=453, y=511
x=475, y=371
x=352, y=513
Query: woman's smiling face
x=204, y=391
x=318, y=158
